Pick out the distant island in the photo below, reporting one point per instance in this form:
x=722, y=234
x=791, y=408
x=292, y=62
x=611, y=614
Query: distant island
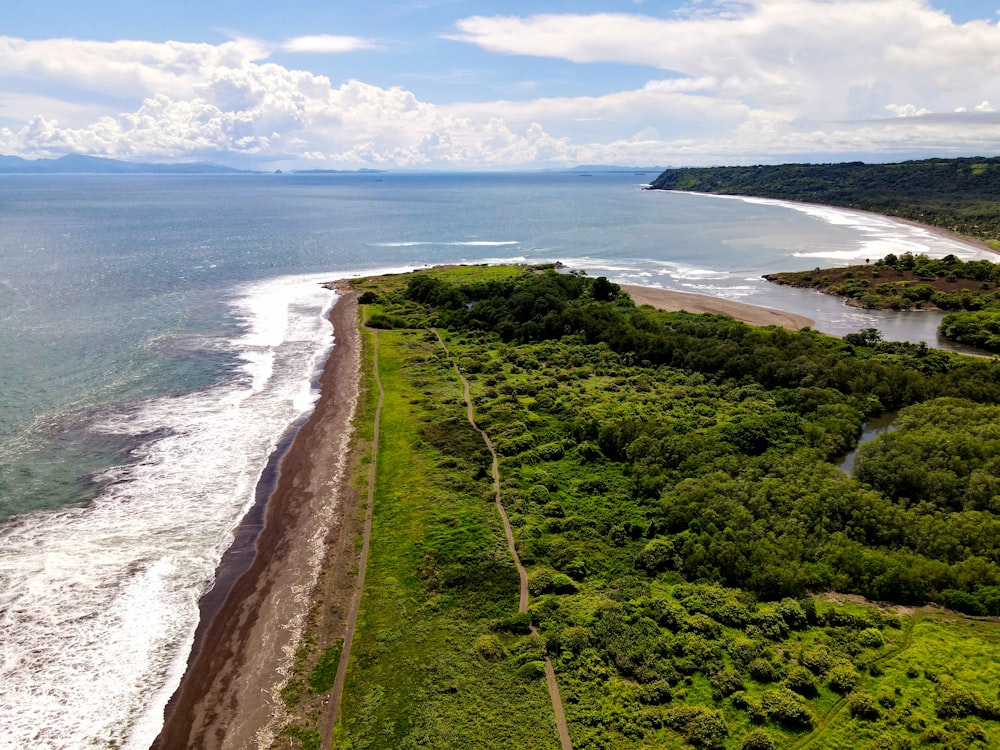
x=961, y=195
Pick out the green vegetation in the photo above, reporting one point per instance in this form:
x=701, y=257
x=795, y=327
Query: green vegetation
x=917, y=282
x=962, y=195
x=432, y=661
x=668, y=480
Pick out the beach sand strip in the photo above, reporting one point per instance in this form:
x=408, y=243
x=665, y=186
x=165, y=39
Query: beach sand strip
x=229, y=696
x=673, y=301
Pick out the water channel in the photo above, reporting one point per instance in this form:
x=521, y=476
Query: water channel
x=869, y=431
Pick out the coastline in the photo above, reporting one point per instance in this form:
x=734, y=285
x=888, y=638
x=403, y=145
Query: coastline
x=229, y=695
x=940, y=232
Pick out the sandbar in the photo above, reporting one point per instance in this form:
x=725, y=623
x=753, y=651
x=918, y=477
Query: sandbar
x=674, y=301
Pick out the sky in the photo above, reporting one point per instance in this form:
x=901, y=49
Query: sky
x=486, y=85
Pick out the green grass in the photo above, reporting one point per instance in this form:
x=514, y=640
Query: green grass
x=415, y=677
x=324, y=674
x=941, y=645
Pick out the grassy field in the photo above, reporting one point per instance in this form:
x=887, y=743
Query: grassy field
x=430, y=668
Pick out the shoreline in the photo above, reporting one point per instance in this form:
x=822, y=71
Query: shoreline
x=940, y=232
x=229, y=695
x=674, y=301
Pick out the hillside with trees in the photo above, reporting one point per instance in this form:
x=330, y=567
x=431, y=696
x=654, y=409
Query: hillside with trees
x=961, y=195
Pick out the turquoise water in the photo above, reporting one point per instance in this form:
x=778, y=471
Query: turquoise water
x=158, y=334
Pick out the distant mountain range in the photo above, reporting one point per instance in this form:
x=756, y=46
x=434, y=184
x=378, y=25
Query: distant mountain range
x=80, y=164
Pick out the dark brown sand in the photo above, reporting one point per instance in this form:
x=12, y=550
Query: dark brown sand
x=229, y=695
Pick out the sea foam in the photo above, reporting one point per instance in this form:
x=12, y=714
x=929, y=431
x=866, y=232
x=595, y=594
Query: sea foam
x=98, y=605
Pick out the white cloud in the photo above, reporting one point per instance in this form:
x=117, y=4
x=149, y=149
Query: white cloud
x=906, y=110
x=732, y=82
x=326, y=44
x=798, y=56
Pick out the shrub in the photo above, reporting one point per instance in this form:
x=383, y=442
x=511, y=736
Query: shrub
x=519, y=624
x=540, y=581
x=791, y=611
x=758, y=739
x=764, y=670
x=957, y=702
x=533, y=670
x=488, y=648
x=801, y=681
x=786, y=708
x=817, y=660
x=743, y=650
x=862, y=706
x=655, y=693
x=575, y=639
x=656, y=556
x=843, y=678
x=563, y=584
x=725, y=682
x=871, y=638
x=699, y=726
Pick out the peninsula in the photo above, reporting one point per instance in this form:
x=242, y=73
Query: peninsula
x=958, y=195
x=650, y=558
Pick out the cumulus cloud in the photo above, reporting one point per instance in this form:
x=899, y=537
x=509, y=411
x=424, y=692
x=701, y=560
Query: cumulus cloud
x=269, y=112
x=731, y=82
x=906, y=110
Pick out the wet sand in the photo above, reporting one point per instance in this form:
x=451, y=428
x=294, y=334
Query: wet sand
x=666, y=299
x=229, y=696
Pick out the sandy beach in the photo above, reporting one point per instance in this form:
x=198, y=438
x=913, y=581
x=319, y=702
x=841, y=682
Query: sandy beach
x=229, y=697
x=666, y=299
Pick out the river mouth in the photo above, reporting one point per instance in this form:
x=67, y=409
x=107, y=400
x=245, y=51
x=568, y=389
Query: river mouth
x=870, y=430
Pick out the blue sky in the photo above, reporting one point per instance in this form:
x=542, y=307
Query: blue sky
x=466, y=84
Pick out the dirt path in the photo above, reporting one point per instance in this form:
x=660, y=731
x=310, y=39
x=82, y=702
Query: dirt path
x=336, y=692
x=550, y=673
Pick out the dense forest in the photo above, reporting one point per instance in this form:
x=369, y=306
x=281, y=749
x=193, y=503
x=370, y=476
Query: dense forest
x=670, y=481
x=969, y=290
x=961, y=195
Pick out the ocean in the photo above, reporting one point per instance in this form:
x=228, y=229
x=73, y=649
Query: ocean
x=159, y=334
